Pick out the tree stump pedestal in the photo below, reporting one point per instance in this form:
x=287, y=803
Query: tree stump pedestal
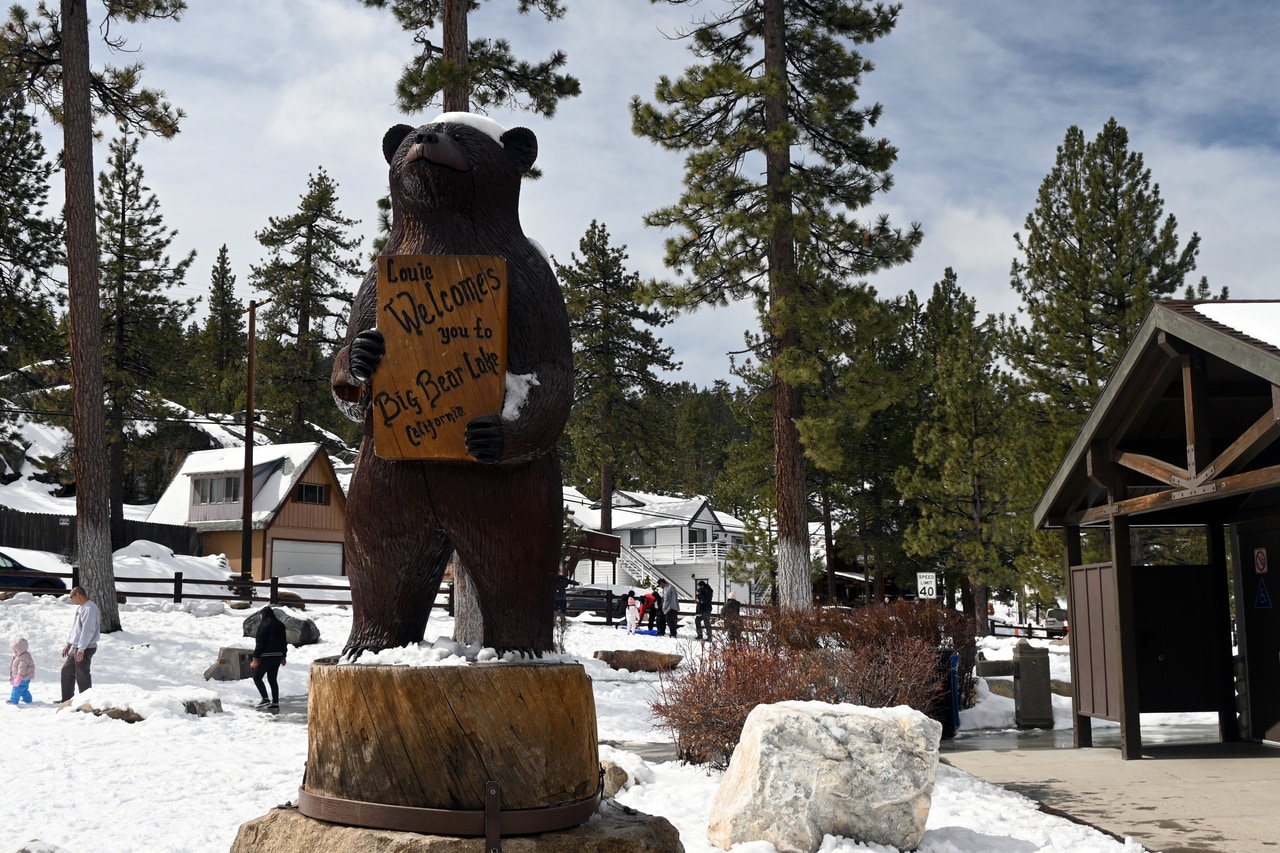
x=488, y=749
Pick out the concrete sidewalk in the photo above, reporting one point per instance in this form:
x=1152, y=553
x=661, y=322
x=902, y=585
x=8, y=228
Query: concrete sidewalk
x=1178, y=798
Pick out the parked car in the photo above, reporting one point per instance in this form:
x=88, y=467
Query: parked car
x=15, y=576
x=592, y=598
x=1055, y=622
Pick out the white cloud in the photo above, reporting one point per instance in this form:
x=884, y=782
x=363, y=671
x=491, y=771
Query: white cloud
x=976, y=97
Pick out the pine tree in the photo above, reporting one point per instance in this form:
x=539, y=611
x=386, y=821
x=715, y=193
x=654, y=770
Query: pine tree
x=460, y=73
x=778, y=85
x=220, y=354
x=1098, y=250
x=48, y=58
x=615, y=356
x=958, y=480
x=143, y=323
x=29, y=240
x=308, y=278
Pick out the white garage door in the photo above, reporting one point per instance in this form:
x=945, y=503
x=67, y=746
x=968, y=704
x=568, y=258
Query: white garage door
x=294, y=557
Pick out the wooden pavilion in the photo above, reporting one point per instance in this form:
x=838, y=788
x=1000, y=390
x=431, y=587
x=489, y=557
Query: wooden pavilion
x=1183, y=438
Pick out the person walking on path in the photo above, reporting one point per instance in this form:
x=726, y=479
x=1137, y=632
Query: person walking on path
x=269, y=649
x=670, y=608
x=732, y=614
x=21, y=670
x=702, y=611
x=633, y=612
x=82, y=644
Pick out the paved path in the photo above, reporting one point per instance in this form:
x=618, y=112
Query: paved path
x=1178, y=798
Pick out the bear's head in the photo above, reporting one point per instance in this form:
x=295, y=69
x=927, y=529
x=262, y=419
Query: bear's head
x=459, y=164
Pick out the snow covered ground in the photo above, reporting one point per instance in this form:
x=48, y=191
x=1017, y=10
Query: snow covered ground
x=174, y=782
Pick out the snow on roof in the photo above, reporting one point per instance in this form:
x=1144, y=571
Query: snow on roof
x=174, y=505
x=639, y=510
x=1259, y=320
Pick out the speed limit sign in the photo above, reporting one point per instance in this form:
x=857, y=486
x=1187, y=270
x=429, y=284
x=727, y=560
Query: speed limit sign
x=926, y=585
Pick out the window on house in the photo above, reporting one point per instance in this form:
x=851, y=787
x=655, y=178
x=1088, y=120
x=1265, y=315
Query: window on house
x=644, y=537
x=217, y=490
x=312, y=493
x=697, y=535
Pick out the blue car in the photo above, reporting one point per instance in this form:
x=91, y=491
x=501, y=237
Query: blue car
x=15, y=577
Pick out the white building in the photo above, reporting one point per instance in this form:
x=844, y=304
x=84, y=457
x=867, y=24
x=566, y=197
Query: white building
x=680, y=540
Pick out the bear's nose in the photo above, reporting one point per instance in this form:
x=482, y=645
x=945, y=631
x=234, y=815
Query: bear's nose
x=426, y=137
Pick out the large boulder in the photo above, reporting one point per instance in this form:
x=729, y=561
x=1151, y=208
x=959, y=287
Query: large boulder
x=299, y=630
x=804, y=770
x=612, y=829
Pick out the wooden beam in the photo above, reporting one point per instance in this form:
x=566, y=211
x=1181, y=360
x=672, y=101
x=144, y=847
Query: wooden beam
x=1252, y=441
x=1156, y=469
x=1248, y=481
x=1098, y=467
x=1195, y=407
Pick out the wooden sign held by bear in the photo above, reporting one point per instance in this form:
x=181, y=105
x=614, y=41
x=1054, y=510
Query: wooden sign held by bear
x=455, y=191
x=444, y=320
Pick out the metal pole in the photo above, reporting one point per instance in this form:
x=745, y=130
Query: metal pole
x=246, y=485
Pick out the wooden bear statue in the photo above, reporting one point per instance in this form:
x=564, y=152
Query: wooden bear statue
x=455, y=190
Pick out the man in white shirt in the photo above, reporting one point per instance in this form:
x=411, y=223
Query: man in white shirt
x=82, y=642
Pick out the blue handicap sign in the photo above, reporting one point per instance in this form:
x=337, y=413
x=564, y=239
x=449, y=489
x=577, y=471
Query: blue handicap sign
x=1263, y=601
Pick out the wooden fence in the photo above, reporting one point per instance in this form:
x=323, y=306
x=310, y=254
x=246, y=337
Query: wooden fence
x=234, y=588
x=56, y=534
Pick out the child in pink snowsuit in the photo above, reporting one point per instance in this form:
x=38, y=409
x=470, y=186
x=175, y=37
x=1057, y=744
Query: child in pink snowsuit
x=21, y=671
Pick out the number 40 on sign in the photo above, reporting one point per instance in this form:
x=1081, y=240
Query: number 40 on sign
x=926, y=585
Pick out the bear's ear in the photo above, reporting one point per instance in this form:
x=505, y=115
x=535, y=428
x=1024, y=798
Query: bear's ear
x=391, y=140
x=521, y=146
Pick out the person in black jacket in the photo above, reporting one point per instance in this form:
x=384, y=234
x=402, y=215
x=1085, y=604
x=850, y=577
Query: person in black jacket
x=702, y=593
x=268, y=656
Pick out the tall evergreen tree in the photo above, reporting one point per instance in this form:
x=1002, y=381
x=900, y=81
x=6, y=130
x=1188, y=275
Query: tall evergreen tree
x=47, y=56
x=143, y=323
x=615, y=356
x=778, y=85
x=958, y=479
x=1098, y=250
x=29, y=240
x=308, y=277
x=459, y=72
x=220, y=354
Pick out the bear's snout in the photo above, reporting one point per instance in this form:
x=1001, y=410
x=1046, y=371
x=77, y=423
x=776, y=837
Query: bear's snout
x=438, y=148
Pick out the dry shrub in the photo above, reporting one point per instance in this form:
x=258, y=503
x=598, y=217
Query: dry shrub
x=877, y=657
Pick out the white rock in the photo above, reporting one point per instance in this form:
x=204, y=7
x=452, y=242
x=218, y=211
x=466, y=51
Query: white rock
x=805, y=770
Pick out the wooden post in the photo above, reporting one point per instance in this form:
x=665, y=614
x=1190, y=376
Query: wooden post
x=1130, y=721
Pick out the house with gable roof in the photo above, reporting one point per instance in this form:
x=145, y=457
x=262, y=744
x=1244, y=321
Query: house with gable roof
x=298, y=508
x=661, y=537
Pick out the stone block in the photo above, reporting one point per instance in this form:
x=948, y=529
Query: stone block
x=232, y=665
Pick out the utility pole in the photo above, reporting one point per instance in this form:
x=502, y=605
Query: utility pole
x=246, y=487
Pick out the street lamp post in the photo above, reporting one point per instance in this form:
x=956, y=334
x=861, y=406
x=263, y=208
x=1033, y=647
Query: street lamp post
x=246, y=486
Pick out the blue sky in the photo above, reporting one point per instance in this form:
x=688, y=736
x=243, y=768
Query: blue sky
x=977, y=95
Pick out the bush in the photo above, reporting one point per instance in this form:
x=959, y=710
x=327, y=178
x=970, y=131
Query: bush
x=877, y=657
